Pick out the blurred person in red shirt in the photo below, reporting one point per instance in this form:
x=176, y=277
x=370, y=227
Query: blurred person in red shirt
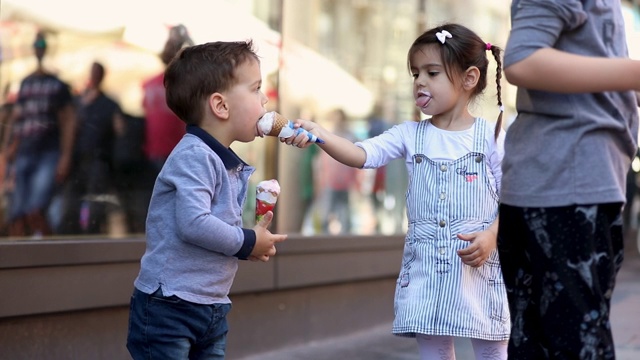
x=163, y=128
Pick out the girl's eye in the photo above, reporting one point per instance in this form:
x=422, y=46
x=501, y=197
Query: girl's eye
x=415, y=76
x=433, y=73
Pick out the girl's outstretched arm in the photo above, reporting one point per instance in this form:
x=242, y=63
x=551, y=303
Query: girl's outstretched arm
x=339, y=148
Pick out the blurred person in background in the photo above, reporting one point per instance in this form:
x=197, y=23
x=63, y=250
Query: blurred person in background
x=6, y=173
x=376, y=125
x=163, y=128
x=134, y=176
x=334, y=181
x=86, y=192
x=311, y=223
x=42, y=126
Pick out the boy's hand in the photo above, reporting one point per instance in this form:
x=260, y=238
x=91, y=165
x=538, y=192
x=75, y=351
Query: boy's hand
x=482, y=244
x=265, y=240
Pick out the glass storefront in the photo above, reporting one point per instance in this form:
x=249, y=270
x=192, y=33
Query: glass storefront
x=357, y=63
x=319, y=58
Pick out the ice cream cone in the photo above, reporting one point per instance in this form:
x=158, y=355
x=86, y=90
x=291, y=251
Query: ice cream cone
x=274, y=124
x=279, y=122
x=267, y=193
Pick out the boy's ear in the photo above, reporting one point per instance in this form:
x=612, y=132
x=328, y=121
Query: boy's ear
x=219, y=106
x=471, y=77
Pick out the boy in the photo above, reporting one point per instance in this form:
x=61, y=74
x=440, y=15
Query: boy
x=194, y=226
x=560, y=234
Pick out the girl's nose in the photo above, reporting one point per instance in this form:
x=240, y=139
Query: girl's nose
x=420, y=80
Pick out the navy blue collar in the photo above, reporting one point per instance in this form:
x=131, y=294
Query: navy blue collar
x=228, y=157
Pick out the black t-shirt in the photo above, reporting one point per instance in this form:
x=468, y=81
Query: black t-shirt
x=95, y=134
x=40, y=98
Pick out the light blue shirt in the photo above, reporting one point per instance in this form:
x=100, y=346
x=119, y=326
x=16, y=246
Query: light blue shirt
x=194, y=224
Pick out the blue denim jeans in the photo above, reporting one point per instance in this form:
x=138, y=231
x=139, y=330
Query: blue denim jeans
x=35, y=183
x=171, y=328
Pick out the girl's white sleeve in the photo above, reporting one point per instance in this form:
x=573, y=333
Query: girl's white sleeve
x=389, y=145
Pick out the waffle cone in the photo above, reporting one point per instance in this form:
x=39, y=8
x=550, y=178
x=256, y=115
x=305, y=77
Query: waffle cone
x=279, y=122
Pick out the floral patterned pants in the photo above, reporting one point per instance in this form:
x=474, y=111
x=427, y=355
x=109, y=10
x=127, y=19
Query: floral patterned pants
x=559, y=266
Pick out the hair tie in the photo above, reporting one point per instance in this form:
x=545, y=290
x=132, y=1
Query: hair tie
x=489, y=46
x=501, y=108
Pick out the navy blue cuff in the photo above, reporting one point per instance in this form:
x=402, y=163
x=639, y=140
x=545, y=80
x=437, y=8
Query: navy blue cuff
x=248, y=245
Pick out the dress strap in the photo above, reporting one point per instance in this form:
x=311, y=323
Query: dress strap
x=478, y=136
x=420, y=136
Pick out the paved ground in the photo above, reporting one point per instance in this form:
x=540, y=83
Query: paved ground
x=378, y=344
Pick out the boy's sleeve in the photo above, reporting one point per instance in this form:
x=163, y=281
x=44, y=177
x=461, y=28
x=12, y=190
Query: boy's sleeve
x=193, y=175
x=247, y=245
x=537, y=24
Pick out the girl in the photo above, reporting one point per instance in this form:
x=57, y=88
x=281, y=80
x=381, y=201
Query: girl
x=450, y=284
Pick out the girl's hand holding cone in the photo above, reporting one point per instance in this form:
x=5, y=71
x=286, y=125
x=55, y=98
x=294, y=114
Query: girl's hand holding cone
x=274, y=124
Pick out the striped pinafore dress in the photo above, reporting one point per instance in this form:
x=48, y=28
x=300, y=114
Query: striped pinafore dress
x=436, y=293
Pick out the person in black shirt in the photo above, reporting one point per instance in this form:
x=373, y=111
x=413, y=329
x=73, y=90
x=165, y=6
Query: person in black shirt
x=89, y=189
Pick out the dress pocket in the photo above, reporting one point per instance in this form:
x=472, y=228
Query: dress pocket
x=499, y=307
x=408, y=257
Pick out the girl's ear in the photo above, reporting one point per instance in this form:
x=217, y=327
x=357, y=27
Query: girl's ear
x=218, y=105
x=470, y=78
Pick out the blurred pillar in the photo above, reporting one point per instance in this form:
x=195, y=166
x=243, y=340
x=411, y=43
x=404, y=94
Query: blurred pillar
x=271, y=143
x=297, y=18
x=287, y=157
x=421, y=26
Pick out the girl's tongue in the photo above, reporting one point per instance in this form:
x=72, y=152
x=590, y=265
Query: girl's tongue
x=422, y=100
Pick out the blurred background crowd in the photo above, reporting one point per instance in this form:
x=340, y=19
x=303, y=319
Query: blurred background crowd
x=88, y=77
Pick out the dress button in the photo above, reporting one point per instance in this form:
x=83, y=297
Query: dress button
x=442, y=251
x=443, y=196
x=418, y=160
x=443, y=168
x=478, y=158
x=442, y=223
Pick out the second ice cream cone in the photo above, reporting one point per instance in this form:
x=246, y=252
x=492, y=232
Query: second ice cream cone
x=267, y=193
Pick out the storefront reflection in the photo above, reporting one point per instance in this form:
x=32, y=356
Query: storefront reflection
x=316, y=56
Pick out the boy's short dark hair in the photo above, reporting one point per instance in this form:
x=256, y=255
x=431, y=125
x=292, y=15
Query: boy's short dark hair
x=201, y=70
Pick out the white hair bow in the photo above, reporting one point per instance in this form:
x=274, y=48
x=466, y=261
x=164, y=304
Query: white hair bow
x=443, y=35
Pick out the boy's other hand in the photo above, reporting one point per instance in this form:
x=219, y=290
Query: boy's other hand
x=265, y=240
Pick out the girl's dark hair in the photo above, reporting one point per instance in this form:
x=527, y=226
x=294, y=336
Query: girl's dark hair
x=198, y=71
x=463, y=50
